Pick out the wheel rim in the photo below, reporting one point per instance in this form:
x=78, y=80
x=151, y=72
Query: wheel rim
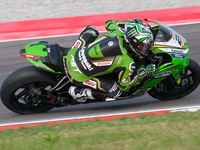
x=23, y=100
x=187, y=80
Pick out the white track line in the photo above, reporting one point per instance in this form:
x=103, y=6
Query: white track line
x=12, y=40
x=182, y=109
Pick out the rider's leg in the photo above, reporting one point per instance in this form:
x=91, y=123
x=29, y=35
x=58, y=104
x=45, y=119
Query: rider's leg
x=95, y=88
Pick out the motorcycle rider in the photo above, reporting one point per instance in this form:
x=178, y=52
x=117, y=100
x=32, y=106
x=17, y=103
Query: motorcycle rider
x=89, y=59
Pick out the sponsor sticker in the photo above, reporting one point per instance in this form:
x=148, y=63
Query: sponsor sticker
x=77, y=44
x=91, y=83
x=103, y=63
x=73, y=63
x=181, y=51
x=178, y=56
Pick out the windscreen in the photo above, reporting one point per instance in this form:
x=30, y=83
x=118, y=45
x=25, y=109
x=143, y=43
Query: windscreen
x=165, y=33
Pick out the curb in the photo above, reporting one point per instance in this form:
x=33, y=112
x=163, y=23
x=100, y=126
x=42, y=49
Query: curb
x=71, y=25
x=101, y=117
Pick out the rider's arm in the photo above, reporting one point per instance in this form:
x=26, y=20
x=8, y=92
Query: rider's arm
x=124, y=77
x=126, y=66
x=117, y=26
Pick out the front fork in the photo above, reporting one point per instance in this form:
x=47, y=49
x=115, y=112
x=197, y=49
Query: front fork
x=177, y=71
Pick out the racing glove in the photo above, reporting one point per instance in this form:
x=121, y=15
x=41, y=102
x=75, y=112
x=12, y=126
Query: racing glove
x=143, y=72
x=136, y=20
x=151, y=68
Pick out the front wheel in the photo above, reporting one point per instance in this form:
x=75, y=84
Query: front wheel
x=190, y=79
x=15, y=93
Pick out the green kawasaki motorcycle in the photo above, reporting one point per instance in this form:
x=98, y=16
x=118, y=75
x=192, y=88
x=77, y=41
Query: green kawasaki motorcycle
x=176, y=75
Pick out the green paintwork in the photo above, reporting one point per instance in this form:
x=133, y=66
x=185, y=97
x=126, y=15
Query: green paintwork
x=36, y=48
x=95, y=52
x=152, y=83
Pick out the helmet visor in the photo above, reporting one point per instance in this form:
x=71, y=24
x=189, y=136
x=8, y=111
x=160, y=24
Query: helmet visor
x=142, y=48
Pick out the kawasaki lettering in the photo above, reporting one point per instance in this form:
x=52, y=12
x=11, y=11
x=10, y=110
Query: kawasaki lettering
x=84, y=61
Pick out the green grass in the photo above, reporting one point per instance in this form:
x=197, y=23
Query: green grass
x=171, y=131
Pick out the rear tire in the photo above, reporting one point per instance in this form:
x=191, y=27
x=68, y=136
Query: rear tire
x=15, y=90
x=191, y=79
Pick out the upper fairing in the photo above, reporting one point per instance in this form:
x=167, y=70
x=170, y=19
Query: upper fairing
x=169, y=40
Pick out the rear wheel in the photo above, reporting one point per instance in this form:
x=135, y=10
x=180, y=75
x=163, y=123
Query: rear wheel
x=15, y=93
x=190, y=78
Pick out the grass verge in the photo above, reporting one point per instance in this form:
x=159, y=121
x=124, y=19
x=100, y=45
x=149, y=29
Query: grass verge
x=171, y=131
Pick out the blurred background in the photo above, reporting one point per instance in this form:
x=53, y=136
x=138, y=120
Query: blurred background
x=16, y=10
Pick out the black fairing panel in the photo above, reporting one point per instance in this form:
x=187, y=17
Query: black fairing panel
x=55, y=54
x=111, y=47
x=54, y=59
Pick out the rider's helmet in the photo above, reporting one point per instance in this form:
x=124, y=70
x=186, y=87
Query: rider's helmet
x=139, y=37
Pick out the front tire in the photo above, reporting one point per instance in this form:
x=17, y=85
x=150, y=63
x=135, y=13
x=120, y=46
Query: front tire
x=15, y=93
x=190, y=79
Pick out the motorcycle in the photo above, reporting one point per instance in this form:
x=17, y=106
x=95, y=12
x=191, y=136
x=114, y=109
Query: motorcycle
x=39, y=88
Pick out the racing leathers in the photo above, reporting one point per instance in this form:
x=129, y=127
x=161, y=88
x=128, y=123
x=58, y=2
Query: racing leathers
x=89, y=60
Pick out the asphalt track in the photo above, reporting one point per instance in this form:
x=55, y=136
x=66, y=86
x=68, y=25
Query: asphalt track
x=10, y=60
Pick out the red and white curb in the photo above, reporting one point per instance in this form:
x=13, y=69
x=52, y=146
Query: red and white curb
x=102, y=117
x=70, y=25
x=74, y=34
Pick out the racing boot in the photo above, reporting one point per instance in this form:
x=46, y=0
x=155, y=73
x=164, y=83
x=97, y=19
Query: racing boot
x=113, y=96
x=80, y=94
